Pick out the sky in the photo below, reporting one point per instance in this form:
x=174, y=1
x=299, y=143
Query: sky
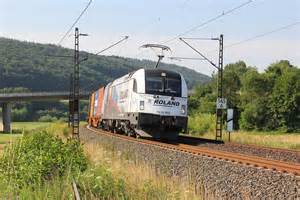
x=158, y=21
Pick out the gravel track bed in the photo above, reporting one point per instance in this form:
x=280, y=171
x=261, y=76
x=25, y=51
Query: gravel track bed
x=274, y=154
x=213, y=178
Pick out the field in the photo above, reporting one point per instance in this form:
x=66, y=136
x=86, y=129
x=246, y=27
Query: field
x=20, y=127
x=266, y=139
x=203, y=125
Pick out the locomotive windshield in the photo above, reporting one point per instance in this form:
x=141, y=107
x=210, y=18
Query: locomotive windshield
x=162, y=82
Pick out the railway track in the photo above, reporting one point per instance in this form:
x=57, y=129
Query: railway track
x=248, y=160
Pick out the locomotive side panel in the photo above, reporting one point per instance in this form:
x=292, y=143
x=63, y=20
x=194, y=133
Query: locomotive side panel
x=117, y=102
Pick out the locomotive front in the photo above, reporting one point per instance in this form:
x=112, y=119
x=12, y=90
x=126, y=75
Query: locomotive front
x=160, y=99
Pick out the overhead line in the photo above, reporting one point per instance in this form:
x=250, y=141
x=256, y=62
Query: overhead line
x=263, y=34
x=210, y=20
x=258, y=36
x=75, y=22
x=125, y=38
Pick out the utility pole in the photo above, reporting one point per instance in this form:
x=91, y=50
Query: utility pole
x=70, y=122
x=76, y=96
x=221, y=102
x=219, y=111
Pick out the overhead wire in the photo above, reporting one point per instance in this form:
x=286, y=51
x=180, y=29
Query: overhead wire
x=285, y=27
x=75, y=22
x=263, y=34
x=224, y=13
x=112, y=45
x=259, y=35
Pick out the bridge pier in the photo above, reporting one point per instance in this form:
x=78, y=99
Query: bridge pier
x=6, y=116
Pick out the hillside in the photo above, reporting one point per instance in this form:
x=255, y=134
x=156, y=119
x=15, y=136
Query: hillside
x=26, y=64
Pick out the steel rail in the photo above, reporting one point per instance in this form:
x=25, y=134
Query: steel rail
x=248, y=160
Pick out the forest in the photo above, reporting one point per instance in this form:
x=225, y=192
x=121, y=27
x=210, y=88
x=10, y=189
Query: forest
x=40, y=67
x=266, y=101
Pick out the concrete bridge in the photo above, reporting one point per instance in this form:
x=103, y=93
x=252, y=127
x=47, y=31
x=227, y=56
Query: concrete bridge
x=7, y=98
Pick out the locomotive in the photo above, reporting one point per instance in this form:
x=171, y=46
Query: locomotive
x=143, y=103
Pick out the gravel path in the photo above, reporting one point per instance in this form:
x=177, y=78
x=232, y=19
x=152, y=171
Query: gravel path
x=281, y=155
x=213, y=178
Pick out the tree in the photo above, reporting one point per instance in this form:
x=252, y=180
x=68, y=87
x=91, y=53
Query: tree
x=255, y=92
x=285, y=100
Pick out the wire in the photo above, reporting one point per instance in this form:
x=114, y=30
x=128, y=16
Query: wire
x=125, y=38
x=263, y=34
x=210, y=20
x=204, y=23
x=75, y=22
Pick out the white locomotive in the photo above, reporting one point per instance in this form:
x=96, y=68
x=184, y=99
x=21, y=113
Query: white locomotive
x=146, y=102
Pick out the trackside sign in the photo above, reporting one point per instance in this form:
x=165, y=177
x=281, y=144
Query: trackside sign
x=221, y=103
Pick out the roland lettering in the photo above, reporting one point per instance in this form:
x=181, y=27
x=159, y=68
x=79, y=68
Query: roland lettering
x=166, y=103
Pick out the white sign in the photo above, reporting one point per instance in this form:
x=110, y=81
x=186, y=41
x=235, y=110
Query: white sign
x=230, y=120
x=221, y=103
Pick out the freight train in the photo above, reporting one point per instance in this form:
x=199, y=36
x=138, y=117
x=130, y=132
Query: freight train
x=143, y=103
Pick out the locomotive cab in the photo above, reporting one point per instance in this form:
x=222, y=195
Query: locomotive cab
x=162, y=107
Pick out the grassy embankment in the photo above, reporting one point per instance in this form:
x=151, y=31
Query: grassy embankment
x=45, y=172
x=204, y=126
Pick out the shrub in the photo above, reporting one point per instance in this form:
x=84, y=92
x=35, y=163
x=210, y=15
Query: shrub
x=38, y=157
x=47, y=118
x=201, y=123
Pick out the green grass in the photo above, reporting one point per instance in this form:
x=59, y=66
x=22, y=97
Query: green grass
x=260, y=138
x=6, y=138
x=203, y=125
x=29, y=126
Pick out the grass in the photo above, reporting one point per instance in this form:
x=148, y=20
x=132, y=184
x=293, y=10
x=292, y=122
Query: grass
x=266, y=139
x=6, y=139
x=203, y=125
x=141, y=181
x=29, y=126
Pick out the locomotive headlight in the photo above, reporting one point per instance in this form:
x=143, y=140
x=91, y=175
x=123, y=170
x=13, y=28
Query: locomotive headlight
x=183, y=109
x=142, y=105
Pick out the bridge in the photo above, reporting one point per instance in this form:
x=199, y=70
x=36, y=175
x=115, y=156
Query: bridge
x=7, y=98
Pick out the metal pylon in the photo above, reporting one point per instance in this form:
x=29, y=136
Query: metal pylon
x=219, y=112
x=76, y=117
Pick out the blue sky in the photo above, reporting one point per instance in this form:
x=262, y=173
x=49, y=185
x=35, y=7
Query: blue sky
x=155, y=21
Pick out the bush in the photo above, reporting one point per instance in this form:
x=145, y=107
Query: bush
x=19, y=114
x=38, y=157
x=201, y=123
x=47, y=118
